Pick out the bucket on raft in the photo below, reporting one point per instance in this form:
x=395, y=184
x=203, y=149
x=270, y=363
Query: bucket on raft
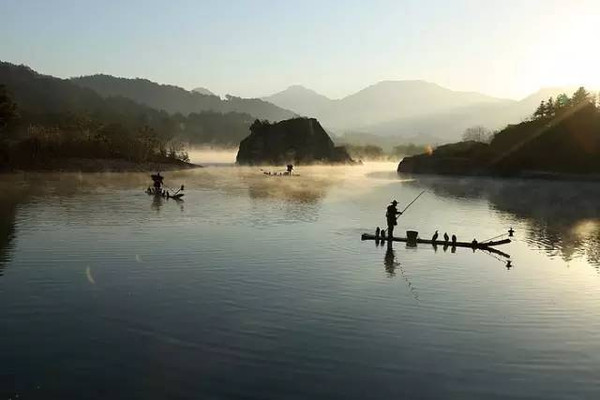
x=411, y=236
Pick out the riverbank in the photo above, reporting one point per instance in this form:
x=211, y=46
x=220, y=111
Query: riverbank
x=100, y=165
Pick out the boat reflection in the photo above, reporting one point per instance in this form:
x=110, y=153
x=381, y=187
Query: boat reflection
x=562, y=218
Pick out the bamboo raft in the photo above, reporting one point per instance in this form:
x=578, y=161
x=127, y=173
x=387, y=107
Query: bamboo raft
x=487, y=246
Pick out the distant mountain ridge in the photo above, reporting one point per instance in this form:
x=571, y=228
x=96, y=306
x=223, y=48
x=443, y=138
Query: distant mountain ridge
x=410, y=109
x=301, y=100
x=174, y=99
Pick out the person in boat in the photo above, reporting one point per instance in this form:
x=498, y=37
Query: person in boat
x=392, y=215
x=158, y=182
x=289, y=169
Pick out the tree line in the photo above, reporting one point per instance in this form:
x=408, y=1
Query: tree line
x=554, y=107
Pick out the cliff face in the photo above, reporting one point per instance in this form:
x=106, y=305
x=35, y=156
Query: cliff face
x=298, y=141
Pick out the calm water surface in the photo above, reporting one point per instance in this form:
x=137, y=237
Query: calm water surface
x=258, y=287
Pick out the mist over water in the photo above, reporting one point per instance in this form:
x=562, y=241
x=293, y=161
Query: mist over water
x=208, y=155
x=259, y=286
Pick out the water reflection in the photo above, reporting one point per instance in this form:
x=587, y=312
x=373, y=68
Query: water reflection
x=391, y=264
x=7, y=230
x=562, y=217
x=390, y=260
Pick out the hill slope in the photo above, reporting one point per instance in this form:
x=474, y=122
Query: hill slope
x=65, y=114
x=173, y=99
x=565, y=141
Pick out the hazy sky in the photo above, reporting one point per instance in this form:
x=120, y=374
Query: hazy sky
x=505, y=48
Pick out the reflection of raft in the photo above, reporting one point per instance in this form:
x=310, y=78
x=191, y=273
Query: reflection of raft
x=488, y=246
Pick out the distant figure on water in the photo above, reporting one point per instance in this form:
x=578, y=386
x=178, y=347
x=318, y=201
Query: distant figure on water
x=435, y=236
x=446, y=237
x=391, y=215
x=157, y=182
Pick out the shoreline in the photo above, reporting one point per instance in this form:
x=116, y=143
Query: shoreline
x=100, y=165
x=527, y=174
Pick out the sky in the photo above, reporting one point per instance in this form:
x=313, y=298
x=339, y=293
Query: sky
x=507, y=48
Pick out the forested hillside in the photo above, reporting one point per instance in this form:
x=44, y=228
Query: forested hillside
x=175, y=100
x=44, y=118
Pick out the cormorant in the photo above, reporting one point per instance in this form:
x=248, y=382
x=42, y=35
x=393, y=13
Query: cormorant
x=435, y=236
x=446, y=237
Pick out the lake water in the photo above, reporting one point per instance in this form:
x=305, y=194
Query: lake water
x=259, y=287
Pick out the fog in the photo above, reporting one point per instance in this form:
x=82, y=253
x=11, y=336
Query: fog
x=211, y=155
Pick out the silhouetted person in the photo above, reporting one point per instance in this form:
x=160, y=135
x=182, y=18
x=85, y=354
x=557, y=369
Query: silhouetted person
x=158, y=182
x=290, y=168
x=435, y=236
x=453, y=240
x=377, y=231
x=446, y=237
x=391, y=215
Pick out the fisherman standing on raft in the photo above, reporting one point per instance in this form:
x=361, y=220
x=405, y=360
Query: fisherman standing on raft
x=391, y=215
x=158, y=182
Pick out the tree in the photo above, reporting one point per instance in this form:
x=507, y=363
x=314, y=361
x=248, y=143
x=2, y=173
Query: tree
x=562, y=101
x=550, y=108
x=477, y=133
x=540, y=112
x=580, y=96
x=8, y=108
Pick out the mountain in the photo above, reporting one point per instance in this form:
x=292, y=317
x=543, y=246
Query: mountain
x=449, y=125
x=53, y=102
x=173, y=99
x=389, y=100
x=203, y=91
x=403, y=111
x=301, y=100
x=377, y=104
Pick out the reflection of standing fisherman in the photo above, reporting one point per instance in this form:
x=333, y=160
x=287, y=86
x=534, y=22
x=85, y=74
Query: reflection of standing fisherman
x=391, y=216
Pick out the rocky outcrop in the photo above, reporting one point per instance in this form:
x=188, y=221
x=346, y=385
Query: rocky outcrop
x=299, y=141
